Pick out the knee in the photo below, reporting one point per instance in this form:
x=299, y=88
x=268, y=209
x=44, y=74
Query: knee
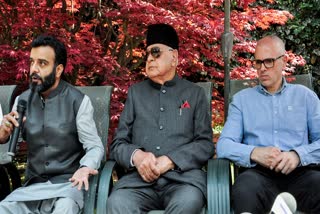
x=260, y=192
x=247, y=185
x=118, y=201
x=186, y=205
x=189, y=205
x=190, y=202
x=114, y=200
x=313, y=182
x=7, y=207
x=67, y=205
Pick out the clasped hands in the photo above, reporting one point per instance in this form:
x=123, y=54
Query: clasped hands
x=151, y=167
x=275, y=159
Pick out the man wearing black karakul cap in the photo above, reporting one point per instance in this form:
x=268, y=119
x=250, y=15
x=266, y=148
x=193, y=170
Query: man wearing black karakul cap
x=164, y=136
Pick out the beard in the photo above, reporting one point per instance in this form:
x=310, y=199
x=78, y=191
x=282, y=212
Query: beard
x=46, y=82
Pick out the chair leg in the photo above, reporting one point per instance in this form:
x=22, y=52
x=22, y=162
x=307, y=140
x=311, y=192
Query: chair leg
x=4, y=183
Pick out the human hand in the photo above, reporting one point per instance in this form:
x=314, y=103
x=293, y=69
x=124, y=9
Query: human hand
x=287, y=162
x=8, y=123
x=145, y=162
x=164, y=164
x=266, y=156
x=81, y=177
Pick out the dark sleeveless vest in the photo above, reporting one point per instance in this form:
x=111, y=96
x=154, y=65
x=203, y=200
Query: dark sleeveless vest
x=50, y=130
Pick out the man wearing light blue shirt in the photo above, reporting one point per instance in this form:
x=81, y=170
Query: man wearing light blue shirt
x=273, y=130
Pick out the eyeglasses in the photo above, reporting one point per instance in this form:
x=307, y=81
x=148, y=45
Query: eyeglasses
x=268, y=63
x=155, y=52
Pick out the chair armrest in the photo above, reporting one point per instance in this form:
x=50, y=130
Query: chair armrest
x=105, y=185
x=90, y=195
x=218, y=184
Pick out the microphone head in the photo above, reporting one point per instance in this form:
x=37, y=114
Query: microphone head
x=284, y=203
x=22, y=103
x=290, y=201
x=21, y=107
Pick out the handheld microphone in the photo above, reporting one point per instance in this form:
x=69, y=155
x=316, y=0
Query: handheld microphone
x=285, y=203
x=22, y=104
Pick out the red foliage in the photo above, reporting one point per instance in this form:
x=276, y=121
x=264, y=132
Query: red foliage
x=105, y=40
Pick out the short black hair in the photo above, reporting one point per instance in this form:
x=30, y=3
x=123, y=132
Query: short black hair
x=58, y=47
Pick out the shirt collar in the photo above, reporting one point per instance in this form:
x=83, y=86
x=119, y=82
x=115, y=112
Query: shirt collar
x=263, y=90
x=169, y=83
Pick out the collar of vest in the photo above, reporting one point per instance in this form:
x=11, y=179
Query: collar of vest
x=57, y=90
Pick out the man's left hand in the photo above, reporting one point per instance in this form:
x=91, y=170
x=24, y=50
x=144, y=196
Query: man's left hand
x=81, y=177
x=288, y=161
x=164, y=164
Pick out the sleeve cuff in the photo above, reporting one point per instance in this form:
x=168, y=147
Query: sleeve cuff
x=247, y=157
x=131, y=158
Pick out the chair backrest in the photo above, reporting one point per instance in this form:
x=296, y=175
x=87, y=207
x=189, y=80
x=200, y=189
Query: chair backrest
x=237, y=85
x=6, y=97
x=100, y=97
x=207, y=86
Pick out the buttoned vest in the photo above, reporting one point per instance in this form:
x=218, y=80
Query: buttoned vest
x=50, y=130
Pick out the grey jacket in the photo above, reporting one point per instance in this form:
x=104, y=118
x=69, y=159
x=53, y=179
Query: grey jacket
x=170, y=119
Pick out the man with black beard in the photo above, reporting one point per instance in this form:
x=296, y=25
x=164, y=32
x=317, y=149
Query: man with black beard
x=46, y=82
x=64, y=148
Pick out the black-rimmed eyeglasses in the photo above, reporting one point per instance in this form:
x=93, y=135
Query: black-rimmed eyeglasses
x=155, y=52
x=268, y=63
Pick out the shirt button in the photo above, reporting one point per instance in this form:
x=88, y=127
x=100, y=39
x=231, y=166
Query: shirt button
x=164, y=91
x=47, y=163
x=161, y=127
x=161, y=109
x=158, y=148
x=275, y=132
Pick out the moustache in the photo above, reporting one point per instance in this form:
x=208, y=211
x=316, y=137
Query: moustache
x=35, y=76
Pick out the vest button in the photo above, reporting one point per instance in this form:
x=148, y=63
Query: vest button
x=47, y=163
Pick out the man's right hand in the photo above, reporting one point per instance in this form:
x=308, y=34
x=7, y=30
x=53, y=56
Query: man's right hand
x=7, y=125
x=266, y=156
x=145, y=162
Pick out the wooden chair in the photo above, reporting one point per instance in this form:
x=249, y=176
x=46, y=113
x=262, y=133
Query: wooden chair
x=9, y=175
x=100, y=97
x=106, y=181
x=222, y=169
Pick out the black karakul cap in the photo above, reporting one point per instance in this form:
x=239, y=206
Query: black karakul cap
x=163, y=34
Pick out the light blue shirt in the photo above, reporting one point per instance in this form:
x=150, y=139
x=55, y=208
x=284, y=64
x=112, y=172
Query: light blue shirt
x=285, y=120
